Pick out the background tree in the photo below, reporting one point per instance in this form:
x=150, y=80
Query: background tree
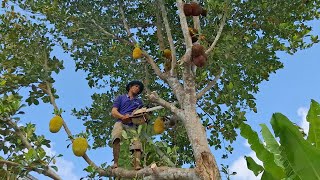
x=240, y=39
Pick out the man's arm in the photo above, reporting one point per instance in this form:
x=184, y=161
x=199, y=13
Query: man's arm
x=115, y=113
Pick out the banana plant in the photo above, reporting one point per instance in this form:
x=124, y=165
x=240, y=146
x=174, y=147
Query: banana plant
x=294, y=157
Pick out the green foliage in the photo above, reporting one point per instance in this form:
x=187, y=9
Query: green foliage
x=297, y=157
x=153, y=151
x=246, y=51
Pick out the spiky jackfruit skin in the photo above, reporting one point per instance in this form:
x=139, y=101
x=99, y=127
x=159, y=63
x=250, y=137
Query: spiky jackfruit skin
x=79, y=146
x=158, y=126
x=136, y=53
x=55, y=124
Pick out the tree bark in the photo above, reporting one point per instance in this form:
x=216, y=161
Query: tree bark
x=206, y=165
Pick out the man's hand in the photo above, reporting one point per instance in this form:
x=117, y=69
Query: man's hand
x=126, y=118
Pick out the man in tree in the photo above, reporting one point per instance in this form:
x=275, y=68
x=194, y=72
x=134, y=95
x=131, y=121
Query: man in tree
x=123, y=106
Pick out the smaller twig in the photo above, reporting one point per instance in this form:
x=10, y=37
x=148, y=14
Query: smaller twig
x=210, y=85
x=112, y=35
x=223, y=21
x=124, y=20
x=154, y=66
x=184, y=25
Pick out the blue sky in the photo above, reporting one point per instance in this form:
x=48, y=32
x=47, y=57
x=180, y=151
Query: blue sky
x=289, y=91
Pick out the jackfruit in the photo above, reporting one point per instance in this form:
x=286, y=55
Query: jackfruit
x=79, y=146
x=167, y=53
x=136, y=53
x=187, y=9
x=196, y=9
x=158, y=126
x=200, y=61
x=197, y=50
x=55, y=124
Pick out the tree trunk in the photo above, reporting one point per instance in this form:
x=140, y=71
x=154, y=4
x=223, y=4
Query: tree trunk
x=206, y=165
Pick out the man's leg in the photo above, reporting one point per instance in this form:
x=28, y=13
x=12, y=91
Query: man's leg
x=116, y=153
x=116, y=137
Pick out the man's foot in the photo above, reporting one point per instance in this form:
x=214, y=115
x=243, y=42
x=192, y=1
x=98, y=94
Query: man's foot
x=114, y=166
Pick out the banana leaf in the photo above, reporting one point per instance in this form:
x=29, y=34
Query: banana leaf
x=303, y=158
x=314, y=127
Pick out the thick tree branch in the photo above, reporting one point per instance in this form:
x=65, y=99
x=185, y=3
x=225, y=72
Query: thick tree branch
x=159, y=31
x=170, y=39
x=112, y=35
x=160, y=172
x=223, y=21
x=184, y=25
x=209, y=85
x=47, y=171
x=154, y=97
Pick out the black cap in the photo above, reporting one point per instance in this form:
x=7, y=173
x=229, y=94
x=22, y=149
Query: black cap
x=135, y=83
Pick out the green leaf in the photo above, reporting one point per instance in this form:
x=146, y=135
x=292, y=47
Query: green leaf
x=54, y=167
x=302, y=156
x=124, y=134
x=253, y=166
x=139, y=129
x=30, y=154
x=262, y=153
x=313, y=118
x=271, y=144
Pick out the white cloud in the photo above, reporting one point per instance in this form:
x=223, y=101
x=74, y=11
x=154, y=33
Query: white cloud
x=65, y=167
x=240, y=166
x=304, y=124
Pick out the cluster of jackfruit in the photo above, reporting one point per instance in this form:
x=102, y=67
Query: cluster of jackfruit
x=79, y=146
x=55, y=124
x=136, y=53
x=159, y=125
x=199, y=57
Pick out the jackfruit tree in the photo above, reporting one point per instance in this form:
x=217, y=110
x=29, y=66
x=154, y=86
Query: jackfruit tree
x=218, y=59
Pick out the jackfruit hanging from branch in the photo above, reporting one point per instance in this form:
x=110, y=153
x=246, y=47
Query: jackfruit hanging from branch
x=79, y=146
